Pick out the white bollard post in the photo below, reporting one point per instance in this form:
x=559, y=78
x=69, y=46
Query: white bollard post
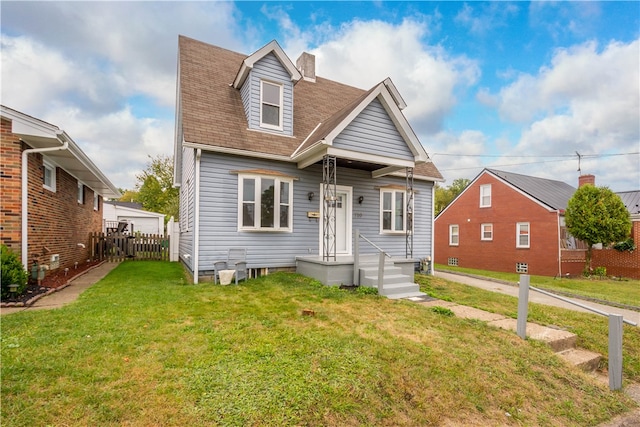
x=615, y=351
x=523, y=306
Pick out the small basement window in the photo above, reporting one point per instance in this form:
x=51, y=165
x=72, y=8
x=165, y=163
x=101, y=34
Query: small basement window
x=452, y=262
x=522, y=267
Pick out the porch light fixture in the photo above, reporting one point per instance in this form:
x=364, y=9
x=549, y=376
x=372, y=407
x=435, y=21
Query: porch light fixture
x=310, y=195
x=360, y=199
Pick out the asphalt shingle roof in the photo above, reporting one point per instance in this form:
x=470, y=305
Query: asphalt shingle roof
x=213, y=114
x=554, y=194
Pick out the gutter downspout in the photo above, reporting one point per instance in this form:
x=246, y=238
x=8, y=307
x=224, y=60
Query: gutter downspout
x=25, y=195
x=196, y=220
x=559, y=248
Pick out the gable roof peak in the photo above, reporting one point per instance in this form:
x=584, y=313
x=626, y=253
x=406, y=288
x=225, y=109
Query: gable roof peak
x=271, y=47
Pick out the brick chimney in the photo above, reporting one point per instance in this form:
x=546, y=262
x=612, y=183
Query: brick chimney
x=307, y=66
x=586, y=179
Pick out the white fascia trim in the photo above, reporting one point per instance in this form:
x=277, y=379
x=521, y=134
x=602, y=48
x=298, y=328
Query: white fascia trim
x=138, y=211
x=395, y=93
x=385, y=171
x=545, y=206
x=305, y=140
x=272, y=46
x=26, y=126
x=371, y=158
x=235, y=151
x=402, y=125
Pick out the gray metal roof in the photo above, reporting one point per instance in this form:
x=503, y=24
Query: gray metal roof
x=631, y=200
x=554, y=194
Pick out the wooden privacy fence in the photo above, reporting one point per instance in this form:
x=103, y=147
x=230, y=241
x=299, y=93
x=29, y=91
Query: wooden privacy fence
x=119, y=247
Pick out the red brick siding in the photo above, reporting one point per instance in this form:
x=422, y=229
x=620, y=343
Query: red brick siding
x=624, y=264
x=508, y=207
x=10, y=200
x=56, y=221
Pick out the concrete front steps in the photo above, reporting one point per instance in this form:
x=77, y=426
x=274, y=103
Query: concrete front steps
x=396, y=285
x=563, y=343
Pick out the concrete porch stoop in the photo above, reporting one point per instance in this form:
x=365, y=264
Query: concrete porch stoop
x=396, y=283
x=563, y=343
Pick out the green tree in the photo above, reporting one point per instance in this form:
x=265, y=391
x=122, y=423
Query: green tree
x=445, y=195
x=128, y=196
x=155, y=188
x=597, y=215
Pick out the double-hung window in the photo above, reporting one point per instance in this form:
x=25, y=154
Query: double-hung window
x=522, y=235
x=454, y=235
x=486, y=232
x=485, y=196
x=265, y=203
x=96, y=201
x=393, y=216
x=49, y=179
x=270, y=105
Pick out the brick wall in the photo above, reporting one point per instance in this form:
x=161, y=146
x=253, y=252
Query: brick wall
x=10, y=158
x=508, y=207
x=621, y=264
x=56, y=221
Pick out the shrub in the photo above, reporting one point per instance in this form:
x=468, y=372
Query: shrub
x=600, y=271
x=12, y=272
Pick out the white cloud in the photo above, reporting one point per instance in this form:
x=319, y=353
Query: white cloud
x=363, y=54
x=486, y=16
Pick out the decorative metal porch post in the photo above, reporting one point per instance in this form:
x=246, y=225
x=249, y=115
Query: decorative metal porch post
x=409, y=231
x=329, y=220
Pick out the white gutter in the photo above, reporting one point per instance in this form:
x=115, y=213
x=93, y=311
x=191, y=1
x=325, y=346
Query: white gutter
x=25, y=194
x=196, y=220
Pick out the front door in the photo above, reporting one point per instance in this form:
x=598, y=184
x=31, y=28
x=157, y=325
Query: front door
x=343, y=220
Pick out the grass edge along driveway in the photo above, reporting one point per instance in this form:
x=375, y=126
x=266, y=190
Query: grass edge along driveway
x=144, y=347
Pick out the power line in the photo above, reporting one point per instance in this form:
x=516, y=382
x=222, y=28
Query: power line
x=567, y=158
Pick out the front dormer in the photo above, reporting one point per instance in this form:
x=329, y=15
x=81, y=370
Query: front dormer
x=265, y=81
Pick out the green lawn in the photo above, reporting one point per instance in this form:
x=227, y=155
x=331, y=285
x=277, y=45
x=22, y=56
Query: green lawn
x=618, y=291
x=143, y=347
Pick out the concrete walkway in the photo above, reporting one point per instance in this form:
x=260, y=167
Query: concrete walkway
x=537, y=297
x=69, y=293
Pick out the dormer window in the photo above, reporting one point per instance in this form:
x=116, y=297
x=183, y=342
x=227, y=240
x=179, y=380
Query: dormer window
x=270, y=105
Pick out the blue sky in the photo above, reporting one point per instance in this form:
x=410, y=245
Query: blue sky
x=516, y=86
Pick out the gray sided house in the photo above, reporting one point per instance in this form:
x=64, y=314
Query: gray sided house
x=288, y=165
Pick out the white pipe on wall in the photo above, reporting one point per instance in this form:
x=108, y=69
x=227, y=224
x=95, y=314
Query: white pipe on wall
x=25, y=194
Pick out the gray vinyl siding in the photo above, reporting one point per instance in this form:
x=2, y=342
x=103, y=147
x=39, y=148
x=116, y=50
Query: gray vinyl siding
x=373, y=132
x=269, y=69
x=219, y=210
x=187, y=206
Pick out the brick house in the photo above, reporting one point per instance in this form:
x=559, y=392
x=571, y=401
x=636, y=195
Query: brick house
x=64, y=192
x=514, y=223
x=507, y=222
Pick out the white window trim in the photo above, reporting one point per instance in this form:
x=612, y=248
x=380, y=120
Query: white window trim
x=80, y=193
x=257, y=211
x=281, y=106
x=96, y=201
x=451, y=234
x=518, y=225
x=47, y=165
x=393, y=202
x=482, y=236
x=486, y=188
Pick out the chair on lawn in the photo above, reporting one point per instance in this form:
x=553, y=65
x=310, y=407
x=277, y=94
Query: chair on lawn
x=236, y=260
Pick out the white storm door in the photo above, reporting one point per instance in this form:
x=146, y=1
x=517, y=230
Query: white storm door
x=343, y=220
